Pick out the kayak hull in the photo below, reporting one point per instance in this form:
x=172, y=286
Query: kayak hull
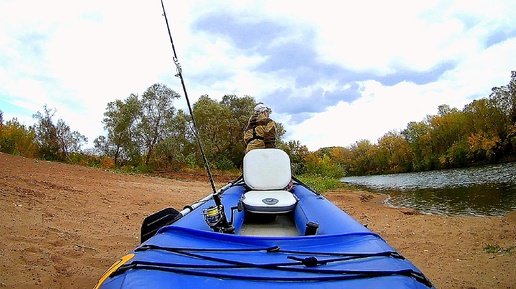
x=339, y=253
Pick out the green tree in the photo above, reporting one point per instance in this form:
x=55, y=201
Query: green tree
x=70, y=141
x=447, y=134
x=441, y=133
x=215, y=125
x=46, y=135
x=177, y=150
x=240, y=109
x=221, y=127
x=417, y=135
x=297, y=153
x=157, y=112
x=121, y=120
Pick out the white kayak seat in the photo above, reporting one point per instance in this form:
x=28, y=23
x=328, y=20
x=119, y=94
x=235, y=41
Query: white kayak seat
x=267, y=174
x=269, y=202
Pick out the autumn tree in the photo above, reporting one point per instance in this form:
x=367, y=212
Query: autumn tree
x=320, y=163
x=342, y=157
x=447, y=135
x=362, y=158
x=394, y=153
x=17, y=139
x=504, y=99
x=56, y=141
x=484, y=128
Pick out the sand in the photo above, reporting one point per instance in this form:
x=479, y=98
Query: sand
x=64, y=225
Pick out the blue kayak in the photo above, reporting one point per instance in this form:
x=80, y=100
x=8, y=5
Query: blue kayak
x=265, y=229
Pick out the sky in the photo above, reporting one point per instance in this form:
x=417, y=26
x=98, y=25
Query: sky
x=333, y=72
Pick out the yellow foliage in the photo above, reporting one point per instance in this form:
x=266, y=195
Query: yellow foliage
x=482, y=141
x=107, y=163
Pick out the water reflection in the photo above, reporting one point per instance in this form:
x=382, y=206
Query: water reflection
x=483, y=191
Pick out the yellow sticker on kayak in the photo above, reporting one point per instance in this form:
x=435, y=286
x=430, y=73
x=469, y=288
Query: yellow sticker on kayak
x=113, y=268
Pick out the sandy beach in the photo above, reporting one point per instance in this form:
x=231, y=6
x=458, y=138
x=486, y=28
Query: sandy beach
x=64, y=225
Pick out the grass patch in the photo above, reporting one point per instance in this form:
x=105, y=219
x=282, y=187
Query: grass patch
x=497, y=249
x=321, y=184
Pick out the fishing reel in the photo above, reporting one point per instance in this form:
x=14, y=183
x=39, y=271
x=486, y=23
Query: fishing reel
x=215, y=217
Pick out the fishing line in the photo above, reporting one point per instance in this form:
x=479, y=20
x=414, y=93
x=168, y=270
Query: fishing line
x=196, y=131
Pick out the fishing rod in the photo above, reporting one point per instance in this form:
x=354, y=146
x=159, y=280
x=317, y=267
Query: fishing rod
x=221, y=224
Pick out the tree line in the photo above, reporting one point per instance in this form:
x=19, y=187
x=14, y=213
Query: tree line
x=148, y=132
x=483, y=132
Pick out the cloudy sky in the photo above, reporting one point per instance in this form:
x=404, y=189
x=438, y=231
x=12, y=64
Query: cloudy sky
x=334, y=72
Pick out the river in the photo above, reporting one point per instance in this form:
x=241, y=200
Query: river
x=479, y=191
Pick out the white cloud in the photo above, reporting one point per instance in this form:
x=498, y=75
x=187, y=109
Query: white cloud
x=78, y=56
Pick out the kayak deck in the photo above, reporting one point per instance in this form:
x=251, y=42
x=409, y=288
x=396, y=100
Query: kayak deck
x=281, y=225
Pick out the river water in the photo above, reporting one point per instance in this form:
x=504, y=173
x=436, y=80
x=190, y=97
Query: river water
x=480, y=191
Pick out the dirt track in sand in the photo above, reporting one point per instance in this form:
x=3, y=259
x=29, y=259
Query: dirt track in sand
x=63, y=226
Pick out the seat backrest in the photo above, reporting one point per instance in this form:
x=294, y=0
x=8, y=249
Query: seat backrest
x=267, y=169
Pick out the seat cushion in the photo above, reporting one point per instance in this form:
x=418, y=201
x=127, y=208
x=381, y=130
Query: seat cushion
x=269, y=202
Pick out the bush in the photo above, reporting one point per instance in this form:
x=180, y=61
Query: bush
x=320, y=183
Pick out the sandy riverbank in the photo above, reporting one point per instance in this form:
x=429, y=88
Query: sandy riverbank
x=63, y=225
